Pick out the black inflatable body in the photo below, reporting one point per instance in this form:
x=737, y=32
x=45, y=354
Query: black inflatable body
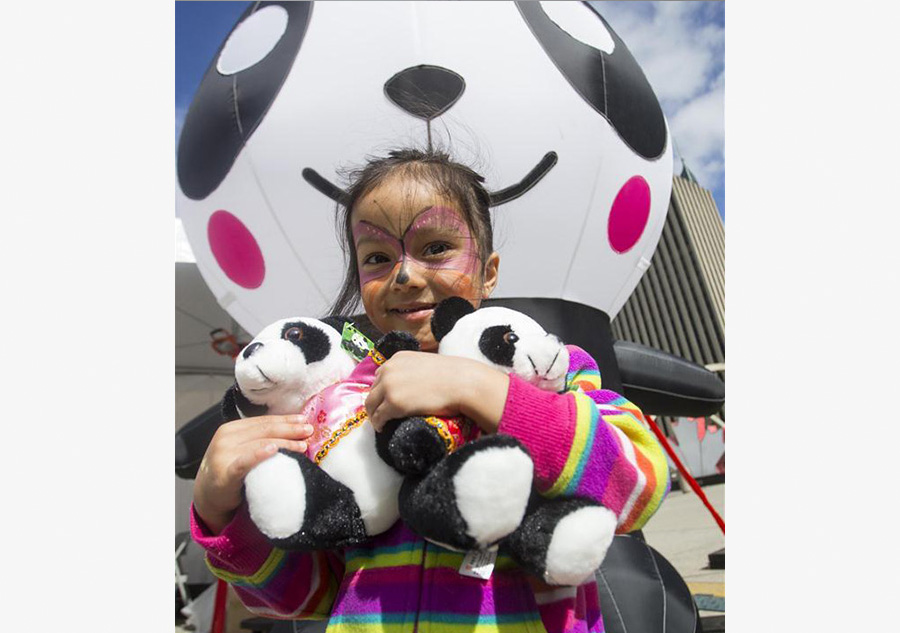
x=659, y=383
x=640, y=591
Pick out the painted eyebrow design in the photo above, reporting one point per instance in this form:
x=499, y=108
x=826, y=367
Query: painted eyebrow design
x=403, y=236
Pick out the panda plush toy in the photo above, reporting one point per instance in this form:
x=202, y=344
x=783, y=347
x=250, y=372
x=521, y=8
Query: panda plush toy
x=294, y=499
x=562, y=540
x=459, y=491
x=346, y=487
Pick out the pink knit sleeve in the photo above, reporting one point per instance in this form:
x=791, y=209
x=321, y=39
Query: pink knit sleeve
x=269, y=581
x=589, y=442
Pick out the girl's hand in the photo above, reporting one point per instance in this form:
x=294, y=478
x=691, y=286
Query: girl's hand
x=419, y=383
x=234, y=450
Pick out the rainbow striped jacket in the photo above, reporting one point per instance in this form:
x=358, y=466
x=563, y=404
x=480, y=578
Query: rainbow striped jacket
x=586, y=441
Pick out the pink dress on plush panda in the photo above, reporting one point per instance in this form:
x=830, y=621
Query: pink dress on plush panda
x=337, y=414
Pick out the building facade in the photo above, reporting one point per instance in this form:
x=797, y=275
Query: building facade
x=679, y=304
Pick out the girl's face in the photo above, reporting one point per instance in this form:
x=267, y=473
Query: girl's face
x=413, y=250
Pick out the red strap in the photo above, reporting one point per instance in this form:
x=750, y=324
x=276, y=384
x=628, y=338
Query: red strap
x=684, y=471
x=218, y=623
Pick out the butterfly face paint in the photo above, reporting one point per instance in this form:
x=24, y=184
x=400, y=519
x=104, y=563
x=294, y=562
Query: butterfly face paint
x=414, y=249
x=436, y=239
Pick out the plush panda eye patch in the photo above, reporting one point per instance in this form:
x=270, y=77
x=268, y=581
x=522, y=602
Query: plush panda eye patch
x=312, y=341
x=436, y=238
x=498, y=344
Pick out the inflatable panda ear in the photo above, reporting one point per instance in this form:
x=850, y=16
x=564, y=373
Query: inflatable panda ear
x=447, y=313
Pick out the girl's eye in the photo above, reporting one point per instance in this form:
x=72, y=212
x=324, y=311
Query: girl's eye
x=437, y=248
x=293, y=334
x=376, y=258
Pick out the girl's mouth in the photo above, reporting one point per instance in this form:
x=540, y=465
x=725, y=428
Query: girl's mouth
x=414, y=312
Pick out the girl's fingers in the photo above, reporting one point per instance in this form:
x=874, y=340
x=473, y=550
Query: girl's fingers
x=270, y=426
x=373, y=402
x=258, y=453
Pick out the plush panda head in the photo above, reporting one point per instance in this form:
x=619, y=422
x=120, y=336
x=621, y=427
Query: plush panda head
x=542, y=98
x=290, y=361
x=506, y=339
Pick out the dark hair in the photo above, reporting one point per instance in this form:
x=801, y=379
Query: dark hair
x=451, y=179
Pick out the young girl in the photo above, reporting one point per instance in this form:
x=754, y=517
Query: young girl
x=417, y=230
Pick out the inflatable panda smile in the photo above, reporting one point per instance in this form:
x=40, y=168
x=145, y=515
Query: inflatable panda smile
x=542, y=98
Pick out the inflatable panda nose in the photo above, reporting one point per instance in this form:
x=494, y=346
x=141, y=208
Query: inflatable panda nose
x=250, y=349
x=425, y=91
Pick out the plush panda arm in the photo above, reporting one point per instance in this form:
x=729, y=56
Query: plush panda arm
x=589, y=442
x=270, y=581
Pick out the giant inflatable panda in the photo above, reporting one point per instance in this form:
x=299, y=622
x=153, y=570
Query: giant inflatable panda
x=542, y=97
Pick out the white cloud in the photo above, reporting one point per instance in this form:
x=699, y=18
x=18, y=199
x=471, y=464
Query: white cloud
x=699, y=131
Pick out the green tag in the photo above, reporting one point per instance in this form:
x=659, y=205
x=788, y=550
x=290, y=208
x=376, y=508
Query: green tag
x=355, y=342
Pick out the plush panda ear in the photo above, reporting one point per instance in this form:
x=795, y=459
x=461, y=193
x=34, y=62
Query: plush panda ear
x=396, y=341
x=229, y=408
x=447, y=313
x=337, y=322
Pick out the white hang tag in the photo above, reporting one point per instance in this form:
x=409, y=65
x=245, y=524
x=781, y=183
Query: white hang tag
x=479, y=563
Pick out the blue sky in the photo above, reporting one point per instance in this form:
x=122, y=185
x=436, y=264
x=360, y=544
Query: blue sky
x=680, y=46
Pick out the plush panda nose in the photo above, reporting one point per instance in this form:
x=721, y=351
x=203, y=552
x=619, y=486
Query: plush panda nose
x=425, y=91
x=250, y=349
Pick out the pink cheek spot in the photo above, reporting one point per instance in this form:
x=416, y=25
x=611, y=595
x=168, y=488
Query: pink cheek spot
x=236, y=250
x=629, y=214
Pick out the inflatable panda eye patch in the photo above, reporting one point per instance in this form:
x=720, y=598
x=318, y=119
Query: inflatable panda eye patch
x=219, y=121
x=612, y=83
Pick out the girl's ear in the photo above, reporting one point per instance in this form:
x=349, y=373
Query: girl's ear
x=490, y=275
x=447, y=313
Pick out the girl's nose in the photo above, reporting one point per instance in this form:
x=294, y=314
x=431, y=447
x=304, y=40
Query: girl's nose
x=407, y=274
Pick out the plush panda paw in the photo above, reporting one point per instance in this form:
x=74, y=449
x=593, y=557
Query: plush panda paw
x=492, y=488
x=276, y=495
x=410, y=445
x=579, y=545
x=298, y=506
x=474, y=497
x=563, y=541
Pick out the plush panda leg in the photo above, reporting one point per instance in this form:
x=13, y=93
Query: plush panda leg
x=300, y=507
x=563, y=541
x=410, y=445
x=474, y=497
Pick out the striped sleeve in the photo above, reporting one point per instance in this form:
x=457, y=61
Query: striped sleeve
x=269, y=581
x=589, y=442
